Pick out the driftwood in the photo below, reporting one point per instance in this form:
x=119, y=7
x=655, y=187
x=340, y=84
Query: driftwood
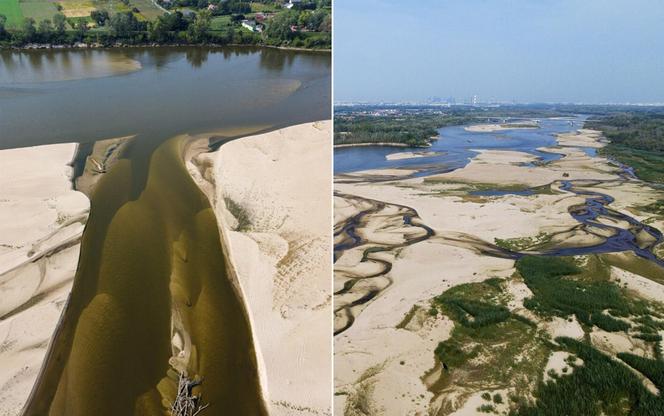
x=186, y=403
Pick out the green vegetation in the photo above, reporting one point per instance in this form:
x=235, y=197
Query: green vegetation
x=11, y=10
x=219, y=22
x=637, y=140
x=555, y=293
x=416, y=125
x=490, y=346
x=523, y=243
x=601, y=386
x=486, y=339
x=408, y=129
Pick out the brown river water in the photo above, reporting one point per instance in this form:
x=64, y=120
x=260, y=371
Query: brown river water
x=152, y=265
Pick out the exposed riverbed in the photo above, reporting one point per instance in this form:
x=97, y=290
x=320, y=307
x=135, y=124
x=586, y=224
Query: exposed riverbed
x=483, y=212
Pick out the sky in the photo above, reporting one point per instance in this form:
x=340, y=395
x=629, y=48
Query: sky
x=590, y=51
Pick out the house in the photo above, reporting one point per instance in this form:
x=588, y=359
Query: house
x=188, y=13
x=252, y=26
x=291, y=3
x=249, y=24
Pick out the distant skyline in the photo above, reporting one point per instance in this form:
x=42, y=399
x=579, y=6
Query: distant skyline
x=589, y=51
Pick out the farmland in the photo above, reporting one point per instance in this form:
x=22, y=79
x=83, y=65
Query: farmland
x=39, y=10
x=12, y=10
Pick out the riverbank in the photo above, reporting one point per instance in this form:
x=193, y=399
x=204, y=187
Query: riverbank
x=43, y=219
x=339, y=146
x=121, y=45
x=274, y=216
x=502, y=200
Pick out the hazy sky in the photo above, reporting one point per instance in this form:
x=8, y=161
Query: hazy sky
x=592, y=51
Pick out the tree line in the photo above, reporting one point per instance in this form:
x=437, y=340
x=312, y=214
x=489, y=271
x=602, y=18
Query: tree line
x=172, y=27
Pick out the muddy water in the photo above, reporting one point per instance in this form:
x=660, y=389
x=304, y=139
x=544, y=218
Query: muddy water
x=154, y=294
x=151, y=267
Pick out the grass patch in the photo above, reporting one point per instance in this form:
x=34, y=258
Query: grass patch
x=220, y=23
x=637, y=265
x=39, y=10
x=146, y=8
x=489, y=345
x=523, y=243
x=12, y=10
x=262, y=7
x=647, y=165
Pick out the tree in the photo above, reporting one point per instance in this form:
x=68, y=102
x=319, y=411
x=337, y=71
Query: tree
x=59, y=21
x=28, y=30
x=326, y=24
x=3, y=22
x=45, y=30
x=198, y=30
x=123, y=25
x=280, y=25
x=316, y=19
x=81, y=30
x=99, y=16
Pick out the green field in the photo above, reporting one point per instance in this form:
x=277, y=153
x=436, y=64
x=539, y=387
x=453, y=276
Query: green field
x=17, y=10
x=147, y=9
x=262, y=7
x=220, y=23
x=38, y=10
x=12, y=10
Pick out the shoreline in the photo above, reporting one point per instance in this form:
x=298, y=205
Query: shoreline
x=96, y=46
x=383, y=144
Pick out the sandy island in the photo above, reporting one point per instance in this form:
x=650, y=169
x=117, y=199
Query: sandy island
x=41, y=222
x=489, y=128
x=271, y=196
x=410, y=155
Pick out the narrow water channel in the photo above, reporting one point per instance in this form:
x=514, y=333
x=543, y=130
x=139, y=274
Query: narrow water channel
x=151, y=268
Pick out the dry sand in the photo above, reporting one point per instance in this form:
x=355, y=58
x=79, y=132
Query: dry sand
x=277, y=231
x=410, y=155
x=489, y=128
x=41, y=221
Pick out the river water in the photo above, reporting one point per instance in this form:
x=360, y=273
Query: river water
x=456, y=144
x=152, y=264
x=455, y=147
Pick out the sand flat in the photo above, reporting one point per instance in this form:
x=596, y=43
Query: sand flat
x=38, y=257
x=280, y=180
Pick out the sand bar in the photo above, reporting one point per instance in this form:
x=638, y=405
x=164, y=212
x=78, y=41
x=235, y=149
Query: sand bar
x=271, y=196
